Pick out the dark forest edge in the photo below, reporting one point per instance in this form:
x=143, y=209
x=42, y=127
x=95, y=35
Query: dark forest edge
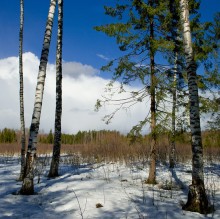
x=111, y=146
x=211, y=138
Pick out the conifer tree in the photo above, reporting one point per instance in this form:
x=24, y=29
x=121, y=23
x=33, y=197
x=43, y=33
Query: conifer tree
x=203, y=45
x=173, y=27
x=211, y=79
x=152, y=28
x=141, y=37
x=50, y=138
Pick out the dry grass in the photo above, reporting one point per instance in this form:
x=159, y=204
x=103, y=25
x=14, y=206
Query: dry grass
x=113, y=148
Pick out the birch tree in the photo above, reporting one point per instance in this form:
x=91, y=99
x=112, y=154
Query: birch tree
x=23, y=141
x=57, y=136
x=197, y=198
x=28, y=184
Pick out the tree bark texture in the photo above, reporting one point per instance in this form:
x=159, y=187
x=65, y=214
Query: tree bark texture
x=57, y=136
x=174, y=35
x=173, y=131
x=22, y=171
x=197, y=198
x=28, y=185
x=152, y=171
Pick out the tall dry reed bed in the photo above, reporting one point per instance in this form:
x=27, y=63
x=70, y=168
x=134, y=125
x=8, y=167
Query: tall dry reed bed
x=112, y=149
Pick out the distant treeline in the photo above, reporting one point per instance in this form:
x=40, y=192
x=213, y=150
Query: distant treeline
x=11, y=135
x=82, y=137
x=210, y=138
x=8, y=136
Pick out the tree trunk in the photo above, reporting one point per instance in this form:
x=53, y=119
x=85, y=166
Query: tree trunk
x=23, y=142
x=172, y=142
x=57, y=137
x=152, y=172
x=197, y=198
x=28, y=184
x=174, y=35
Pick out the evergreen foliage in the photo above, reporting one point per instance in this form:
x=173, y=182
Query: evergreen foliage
x=136, y=21
x=81, y=137
x=8, y=136
x=50, y=138
x=132, y=34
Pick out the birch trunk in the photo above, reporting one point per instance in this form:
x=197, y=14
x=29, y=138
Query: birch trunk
x=152, y=172
x=57, y=137
x=23, y=142
x=28, y=184
x=197, y=198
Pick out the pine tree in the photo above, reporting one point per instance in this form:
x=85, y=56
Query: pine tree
x=140, y=37
x=50, y=139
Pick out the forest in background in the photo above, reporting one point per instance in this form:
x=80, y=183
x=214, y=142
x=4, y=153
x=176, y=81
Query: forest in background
x=107, y=146
x=144, y=31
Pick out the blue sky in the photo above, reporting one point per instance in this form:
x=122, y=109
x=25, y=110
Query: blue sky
x=81, y=42
x=84, y=52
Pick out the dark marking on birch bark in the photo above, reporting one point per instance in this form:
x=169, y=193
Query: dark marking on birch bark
x=28, y=185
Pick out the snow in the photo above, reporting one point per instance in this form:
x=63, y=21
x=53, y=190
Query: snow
x=118, y=187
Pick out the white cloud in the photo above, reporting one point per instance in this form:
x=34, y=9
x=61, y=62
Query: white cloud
x=75, y=69
x=103, y=57
x=81, y=88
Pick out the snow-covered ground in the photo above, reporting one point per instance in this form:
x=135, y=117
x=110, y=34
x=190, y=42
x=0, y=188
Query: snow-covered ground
x=120, y=189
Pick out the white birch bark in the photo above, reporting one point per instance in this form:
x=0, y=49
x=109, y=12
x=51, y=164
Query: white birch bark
x=28, y=186
x=197, y=161
x=197, y=198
